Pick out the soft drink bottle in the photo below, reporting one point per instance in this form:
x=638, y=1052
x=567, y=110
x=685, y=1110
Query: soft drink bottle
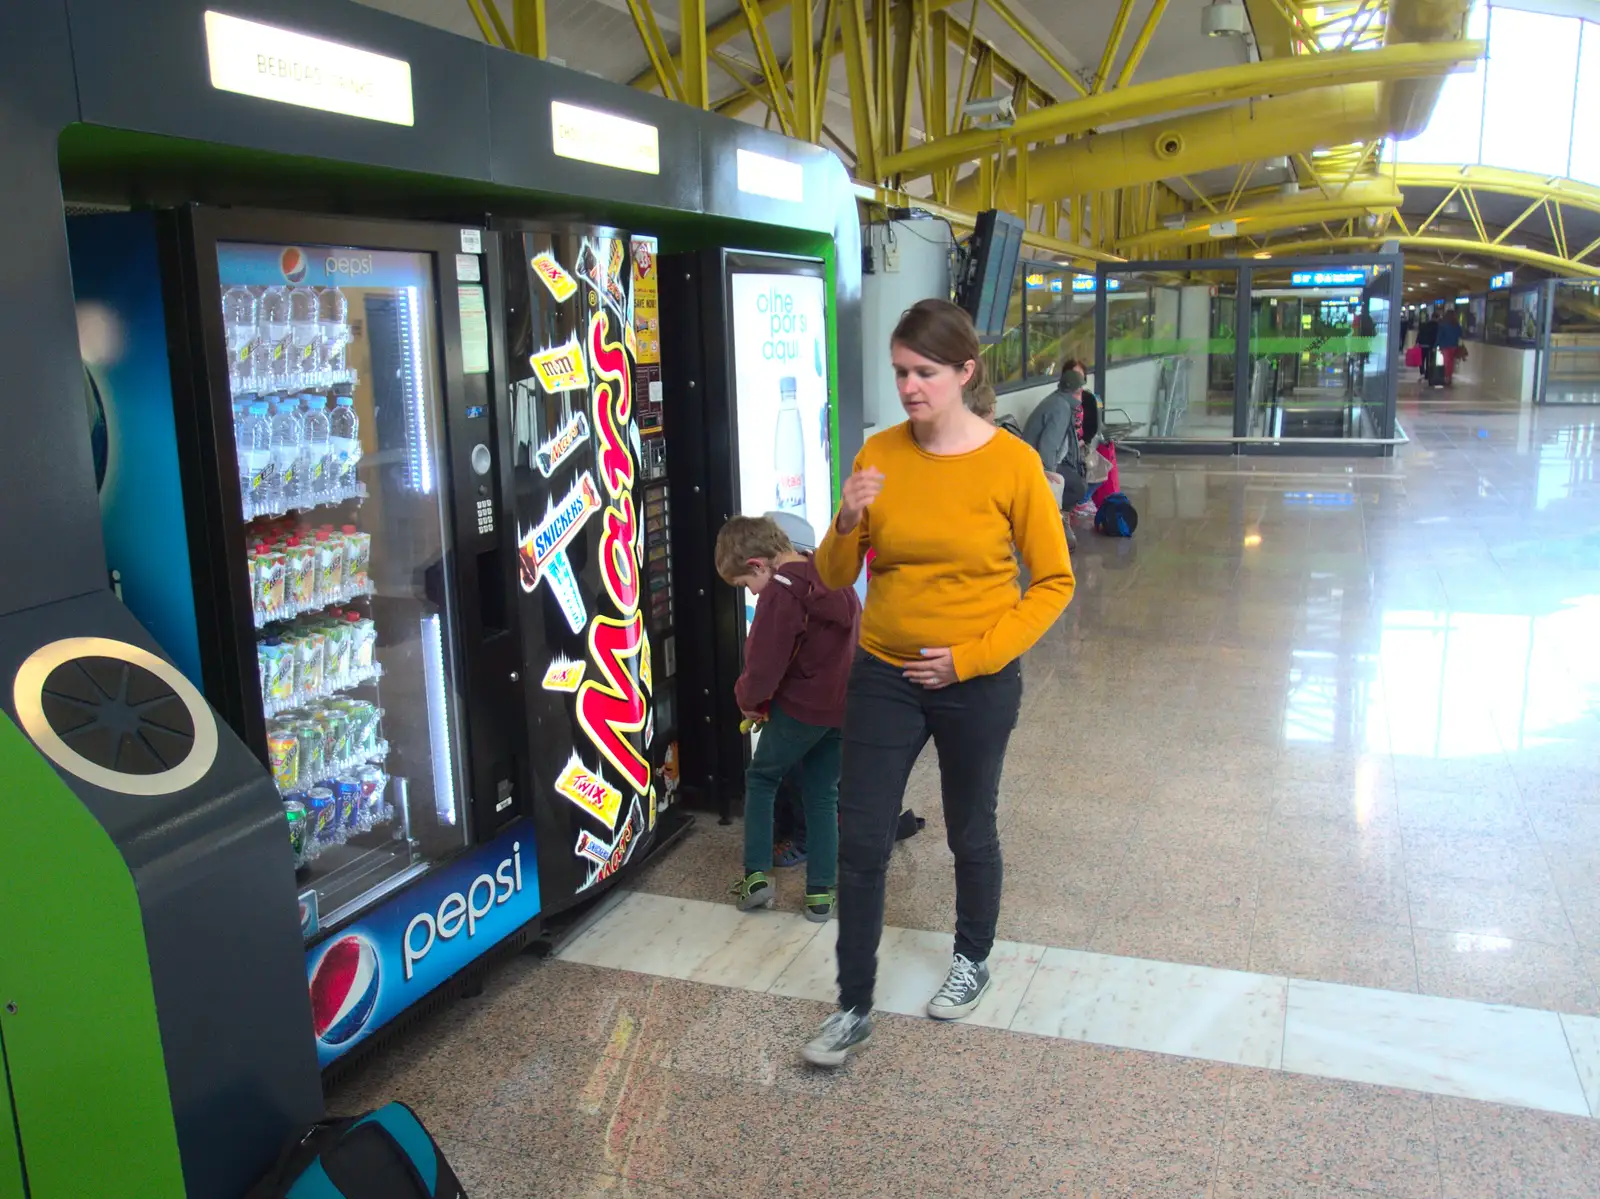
x=333, y=316
x=344, y=443
x=303, y=335
x=789, y=450
x=273, y=345
x=317, y=483
x=239, y=323
x=288, y=446
x=255, y=458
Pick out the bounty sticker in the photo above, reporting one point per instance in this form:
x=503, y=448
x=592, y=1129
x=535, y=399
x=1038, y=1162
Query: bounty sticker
x=541, y=551
x=560, y=447
x=560, y=368
x=563, y=675
x=551, y=273
x=616, y=853
x=590, y=792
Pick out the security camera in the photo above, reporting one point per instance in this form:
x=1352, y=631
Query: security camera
x=996, y=111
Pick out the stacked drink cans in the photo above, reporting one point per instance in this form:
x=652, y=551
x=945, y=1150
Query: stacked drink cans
x=323, y=758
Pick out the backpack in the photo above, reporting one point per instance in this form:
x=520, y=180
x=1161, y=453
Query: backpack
x=1116, y=516
x=385, y=1154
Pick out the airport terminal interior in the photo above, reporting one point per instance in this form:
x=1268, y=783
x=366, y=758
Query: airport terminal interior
x=413, y=551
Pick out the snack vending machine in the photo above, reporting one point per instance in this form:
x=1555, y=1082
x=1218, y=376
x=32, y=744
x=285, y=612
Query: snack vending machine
x=302, y=501
x=583, y=500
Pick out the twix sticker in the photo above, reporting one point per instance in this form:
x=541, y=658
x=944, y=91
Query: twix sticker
x=564, y=675
x=560, y=368
x=590, y=792
x=561, y=284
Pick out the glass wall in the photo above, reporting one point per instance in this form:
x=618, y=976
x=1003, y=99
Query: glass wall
x=1170, y=353
x=1051, y=319
x=1298, y=349
x=1529, y=106
x=1572, y=373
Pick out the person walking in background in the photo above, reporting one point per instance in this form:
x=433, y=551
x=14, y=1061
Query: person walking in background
x=1448, y=339
x=941, y=500
x=797, y=662
x=1427, y=339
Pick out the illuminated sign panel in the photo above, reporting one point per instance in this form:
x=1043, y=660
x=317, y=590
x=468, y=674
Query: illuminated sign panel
x=1351, y=278
x=269, y=63
x=605, y=139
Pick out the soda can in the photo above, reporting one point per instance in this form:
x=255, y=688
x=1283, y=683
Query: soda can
x=336, y=726
x=313, y=750
x=372, y=782
x=294, y=811
x=323, y=811
x=347, y=794
x=283, y=756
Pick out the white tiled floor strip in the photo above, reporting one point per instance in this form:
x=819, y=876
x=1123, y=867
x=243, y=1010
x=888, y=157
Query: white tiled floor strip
x=1458, y=1047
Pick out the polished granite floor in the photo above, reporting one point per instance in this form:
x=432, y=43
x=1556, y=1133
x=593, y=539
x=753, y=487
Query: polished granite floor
x=1330, y=722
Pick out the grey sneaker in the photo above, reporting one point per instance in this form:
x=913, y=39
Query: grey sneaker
x=964, y=988
x=842, y=1034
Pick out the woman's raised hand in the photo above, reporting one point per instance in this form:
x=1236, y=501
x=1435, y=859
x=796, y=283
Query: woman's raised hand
x=859, y=490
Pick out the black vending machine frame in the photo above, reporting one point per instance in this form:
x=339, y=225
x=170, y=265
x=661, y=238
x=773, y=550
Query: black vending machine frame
x=697, y=334
x=486, y=637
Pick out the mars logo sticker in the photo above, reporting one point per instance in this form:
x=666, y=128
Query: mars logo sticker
x=559, y=448
x=590, y=792
x=563, y=675
x=560, y=368
x=541, y=551
x=551, y=274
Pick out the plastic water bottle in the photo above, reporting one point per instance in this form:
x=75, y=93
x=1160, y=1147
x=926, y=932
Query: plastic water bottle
x=789, y=450
x=254, y=444
x=274, y=343
x=288, y=447
x=344, y=443
x=333, y=320
x=239, y=323
x=315, y=469
x=303, y=334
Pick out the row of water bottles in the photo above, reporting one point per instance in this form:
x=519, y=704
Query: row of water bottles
x=296, y=452
x=284, y=336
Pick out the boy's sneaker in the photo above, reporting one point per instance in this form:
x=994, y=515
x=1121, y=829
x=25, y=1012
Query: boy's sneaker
x=753, y=891
x=788, y=853
x=819, y=905
x=964, y=988
x=842, y=1034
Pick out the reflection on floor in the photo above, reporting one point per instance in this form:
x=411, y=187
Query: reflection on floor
x=1333, y=721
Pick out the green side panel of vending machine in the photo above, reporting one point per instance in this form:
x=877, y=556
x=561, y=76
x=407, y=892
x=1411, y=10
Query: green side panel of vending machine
x=88, y=1084
x=10, y=1154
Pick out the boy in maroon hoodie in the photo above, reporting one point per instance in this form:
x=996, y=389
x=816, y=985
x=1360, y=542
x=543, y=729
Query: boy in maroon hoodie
x=796, y=664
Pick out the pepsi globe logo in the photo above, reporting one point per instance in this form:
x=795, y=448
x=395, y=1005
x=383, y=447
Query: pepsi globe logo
x=294, y=264
x=344, y=989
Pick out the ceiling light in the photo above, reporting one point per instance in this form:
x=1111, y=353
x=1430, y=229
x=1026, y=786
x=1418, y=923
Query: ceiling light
x=1224, y=18
x=1264, y=254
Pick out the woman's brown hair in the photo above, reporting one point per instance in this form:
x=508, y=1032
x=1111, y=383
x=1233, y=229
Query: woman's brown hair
x=942, y=333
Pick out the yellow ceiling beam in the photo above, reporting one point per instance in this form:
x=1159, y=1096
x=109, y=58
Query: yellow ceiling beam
x=1221, y=85
x=1456, y=245
x=1252, y=220
x=1498, y=180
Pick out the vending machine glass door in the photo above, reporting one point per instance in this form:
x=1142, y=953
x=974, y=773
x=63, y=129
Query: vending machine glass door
x=335, y=376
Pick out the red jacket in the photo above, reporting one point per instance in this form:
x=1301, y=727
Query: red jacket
x=799, y=648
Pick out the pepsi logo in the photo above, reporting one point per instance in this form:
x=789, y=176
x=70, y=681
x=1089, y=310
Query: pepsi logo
x=294, y=264
x=344, y=989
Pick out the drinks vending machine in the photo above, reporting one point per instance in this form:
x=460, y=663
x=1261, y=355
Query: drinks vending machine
x=296, y=445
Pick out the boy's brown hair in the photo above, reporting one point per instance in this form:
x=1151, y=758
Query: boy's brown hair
x=746, y=537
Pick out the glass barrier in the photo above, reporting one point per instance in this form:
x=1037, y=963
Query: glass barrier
x=1572, y=372
x=1170, y=349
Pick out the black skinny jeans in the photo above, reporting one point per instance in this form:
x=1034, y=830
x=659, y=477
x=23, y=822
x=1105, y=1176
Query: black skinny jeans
x=888, y=720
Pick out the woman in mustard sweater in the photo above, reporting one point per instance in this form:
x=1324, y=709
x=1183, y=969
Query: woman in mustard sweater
x=941, y=500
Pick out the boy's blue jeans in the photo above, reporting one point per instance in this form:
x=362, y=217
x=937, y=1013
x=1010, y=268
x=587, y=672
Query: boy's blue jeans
x=784, y=743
